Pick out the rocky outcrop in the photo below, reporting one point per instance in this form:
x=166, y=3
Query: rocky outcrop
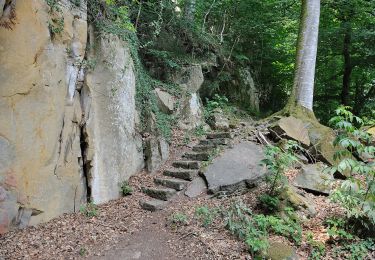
x=114, y=149
x=67, y=128
x=190, y=79
x=165, y=101
x=40, y=112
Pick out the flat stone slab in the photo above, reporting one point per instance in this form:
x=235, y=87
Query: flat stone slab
x=196, y=188
x=193, y=165
x=176, y=184
x=219, y=135
x=153, y=205
x=312, y=178
x=184, y=174
x=238, y=167
x=220, y=141
x=194, y=156
x=159, y=193
x=203, y=148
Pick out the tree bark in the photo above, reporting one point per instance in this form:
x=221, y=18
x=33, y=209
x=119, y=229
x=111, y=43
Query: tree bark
x=307, y=45
x=347, y=65
x=190, y=10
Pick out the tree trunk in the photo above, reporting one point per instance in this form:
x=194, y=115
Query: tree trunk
x=307, y=45
x=347, y=65
x=190, y=10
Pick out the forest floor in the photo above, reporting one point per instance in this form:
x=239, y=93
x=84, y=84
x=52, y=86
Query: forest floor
x=122, y=230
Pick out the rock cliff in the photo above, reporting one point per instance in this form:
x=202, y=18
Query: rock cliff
x=69, y=129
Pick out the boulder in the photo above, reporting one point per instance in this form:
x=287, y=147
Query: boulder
x=237, y=168
x=281, y=251
x=196, y=187
x=312, y=178
x=190, y=78
x=218, y=121
x=291, y=197
x=156, y=153
x=166, y=101
x=191, y=112
x=291, y=128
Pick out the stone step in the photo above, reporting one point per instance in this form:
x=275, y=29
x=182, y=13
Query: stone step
x=184, y=174
x=202, y=156
x=159, y=193
x=176, y=184
x=193, y=165
x=203, y=148
x=153, y=205
x=220, y=135
x=221, y=141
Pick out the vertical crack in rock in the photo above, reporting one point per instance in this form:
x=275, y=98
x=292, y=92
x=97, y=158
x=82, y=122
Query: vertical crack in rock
x=60, y=147
x=86, y=167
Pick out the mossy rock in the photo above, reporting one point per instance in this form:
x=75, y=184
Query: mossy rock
x=290, y=197
x=281, y=251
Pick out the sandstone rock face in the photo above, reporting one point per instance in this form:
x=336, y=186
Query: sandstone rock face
x=114, y=148
x=156, y=153
x=63, y=135
x=248, y=91
x=166, y=101
x=40, y=158
x=190, y=79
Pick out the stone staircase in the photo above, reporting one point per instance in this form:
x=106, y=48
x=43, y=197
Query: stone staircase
x=181, y=172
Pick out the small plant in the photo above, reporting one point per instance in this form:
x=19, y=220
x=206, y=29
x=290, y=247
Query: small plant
x=318, y=249
x=277, y=162
x=336, y=229
x=206, y=215
x=89, y=65
x=178, y=219
x=56, y=26
x=82, y=251
x=270, y=203
x=89, y=210
x=357, y=250
x=356, y=194
x=216, y=102
x=199, y=131
x=53, y=5
x=254, y=229
x=126, y=189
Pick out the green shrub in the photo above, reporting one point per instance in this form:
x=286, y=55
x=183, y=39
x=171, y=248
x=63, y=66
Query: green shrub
x=254, y=229
x=357, y=250
x=270, y=203
x=126, y=189
x=318, y=249
x=357, y=193
x=277, y=162
x=178, y=219
x=206, y=215
x=89, y=210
